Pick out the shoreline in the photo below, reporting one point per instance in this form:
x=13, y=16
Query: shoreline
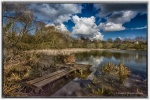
x=68, y=51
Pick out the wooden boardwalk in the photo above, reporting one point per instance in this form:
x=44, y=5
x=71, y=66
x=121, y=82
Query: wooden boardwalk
x=44, y=80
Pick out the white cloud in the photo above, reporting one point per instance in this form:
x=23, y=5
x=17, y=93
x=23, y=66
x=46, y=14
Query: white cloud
x=120, y=38
x=109, y=26
x=121, y=17
x=59, y=27
x=87, y=27
x=116, y=20
x=128, y=15
x=63, y=18
x=49, y=25
x=139, y=28
x=55, y=12
x=98, y=36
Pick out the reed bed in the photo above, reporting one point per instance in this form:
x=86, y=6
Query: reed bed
x=55, y=52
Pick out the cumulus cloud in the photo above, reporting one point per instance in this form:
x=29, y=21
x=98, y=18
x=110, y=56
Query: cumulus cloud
x=55, y=12
x=86, y=27
x=59, y=27
x=98, y=36
x=111, y=26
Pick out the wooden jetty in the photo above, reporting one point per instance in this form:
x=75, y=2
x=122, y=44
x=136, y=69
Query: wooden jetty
x=38, y=83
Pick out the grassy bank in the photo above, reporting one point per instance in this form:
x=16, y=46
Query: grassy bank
x=60, y=51
x=24, y=67
x=68, y=51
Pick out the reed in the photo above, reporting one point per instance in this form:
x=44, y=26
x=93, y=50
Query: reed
x=121, y=71
x=59, y=51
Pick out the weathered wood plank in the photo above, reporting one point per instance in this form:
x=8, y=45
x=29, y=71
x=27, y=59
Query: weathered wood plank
x=46, y=76
x=82, y=66
x=42, y=81
x=51, y=79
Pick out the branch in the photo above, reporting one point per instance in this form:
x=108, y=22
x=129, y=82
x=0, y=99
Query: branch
x=10, y=17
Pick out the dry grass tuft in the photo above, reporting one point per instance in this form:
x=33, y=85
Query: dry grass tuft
x=121, y=71
x=70, y=59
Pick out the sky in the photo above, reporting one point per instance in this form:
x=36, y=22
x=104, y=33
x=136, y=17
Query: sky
x=95, y=21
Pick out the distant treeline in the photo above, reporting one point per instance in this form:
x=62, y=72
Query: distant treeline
x=50, y=38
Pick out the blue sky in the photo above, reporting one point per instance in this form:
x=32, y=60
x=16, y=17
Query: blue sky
x=95, y=21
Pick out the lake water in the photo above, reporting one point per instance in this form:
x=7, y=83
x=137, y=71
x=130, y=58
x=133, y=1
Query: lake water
x=136, y=61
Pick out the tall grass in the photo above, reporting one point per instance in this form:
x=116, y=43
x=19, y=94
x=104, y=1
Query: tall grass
x=123, y=73
x=120, y=70
x=55, y=52
x=25, y=66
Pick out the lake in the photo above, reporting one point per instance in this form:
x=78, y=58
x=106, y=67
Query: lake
x=96, y=84
x=136, y=61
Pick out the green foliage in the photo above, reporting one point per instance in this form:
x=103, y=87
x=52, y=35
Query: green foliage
x=51, y=39
x=110, y=40
x=117, y=40
x=100, y=45
x=107, y=45
x=91, y=45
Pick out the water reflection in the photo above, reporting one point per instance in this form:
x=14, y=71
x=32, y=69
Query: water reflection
x=134, y=60
x=74, y=88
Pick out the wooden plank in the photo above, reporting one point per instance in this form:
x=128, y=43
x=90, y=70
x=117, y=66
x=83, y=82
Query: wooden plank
x=51, y=79
x=62, y=65
x=42, y=81
x=82, y=66
x=46, y=76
